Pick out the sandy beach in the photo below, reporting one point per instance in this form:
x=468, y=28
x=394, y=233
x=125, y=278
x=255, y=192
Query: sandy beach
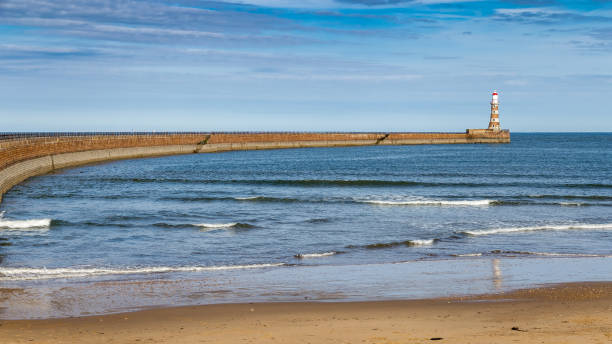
x=565, y=313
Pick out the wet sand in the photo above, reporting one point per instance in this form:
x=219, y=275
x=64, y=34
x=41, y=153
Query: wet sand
x=565, y=313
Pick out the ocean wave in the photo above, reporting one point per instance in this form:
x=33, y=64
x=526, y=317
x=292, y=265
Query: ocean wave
x=287, y=182
x=89, y=223
x=195, y=198
x=481, y=202
x=81, y=196
x=431, y=202
x=209, y=226
x=539, y=228
x=467, y=255
x=547, y=254
x=349, y=182
x=215, y=226
x=17, y=274
x=562, y=204
x=126, y=217
x=343, y=182
x=315, y=255
x=529, y=253
x=571, y=204
x=409, y=243
x=270, y=199
x=572, y=197
x=587, y=185
x=24, y=224
x=424, y=242
x=318, y=220
x=262, y=199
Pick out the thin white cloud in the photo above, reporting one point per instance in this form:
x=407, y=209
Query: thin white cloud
x=520, y=11
x=290, y=3
x=109, y=28
x=155, y=31
x=548, y=15
x=48, y=22
x=338, y=77
x=37, y=49
x=516, y=82
x=329, y=4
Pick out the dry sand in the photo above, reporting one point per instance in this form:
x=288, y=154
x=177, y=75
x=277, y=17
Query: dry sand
x=568, y=313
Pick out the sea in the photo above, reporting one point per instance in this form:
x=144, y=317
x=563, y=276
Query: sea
x=316, y=224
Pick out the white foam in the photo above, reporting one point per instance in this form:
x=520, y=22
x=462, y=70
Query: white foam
x=425, y=242
x=552, y=254
x=24, y=224
x=216, y=225
x=18, y=274
x=469, y=255
x=540, y=228
x=315, y=255
x=571, y=204
x=480, y=202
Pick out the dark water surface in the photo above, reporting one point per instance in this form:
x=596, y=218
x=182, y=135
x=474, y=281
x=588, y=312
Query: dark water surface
x=332, y=210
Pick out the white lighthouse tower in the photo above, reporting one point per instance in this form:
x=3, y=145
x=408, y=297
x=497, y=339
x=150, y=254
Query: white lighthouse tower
x=494, y=122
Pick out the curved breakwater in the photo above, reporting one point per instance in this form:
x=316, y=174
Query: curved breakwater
x=24, y=156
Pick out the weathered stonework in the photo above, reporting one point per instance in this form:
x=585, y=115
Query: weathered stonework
x=22, y=158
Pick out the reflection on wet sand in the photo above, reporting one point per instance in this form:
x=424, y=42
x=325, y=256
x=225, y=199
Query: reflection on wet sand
x=437, y=278
x=497, y=275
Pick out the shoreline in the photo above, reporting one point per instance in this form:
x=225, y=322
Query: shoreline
x=569, y=312
x=432, y=279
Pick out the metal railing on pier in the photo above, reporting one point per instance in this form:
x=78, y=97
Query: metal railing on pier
x=4, y=136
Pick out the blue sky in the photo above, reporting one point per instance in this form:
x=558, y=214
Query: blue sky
x=364, y=65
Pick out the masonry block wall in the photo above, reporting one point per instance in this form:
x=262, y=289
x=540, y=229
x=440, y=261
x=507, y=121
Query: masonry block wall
x=27, y=148
x=21, y=158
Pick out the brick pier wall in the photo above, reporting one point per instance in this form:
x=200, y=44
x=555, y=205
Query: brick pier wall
x=28, y=156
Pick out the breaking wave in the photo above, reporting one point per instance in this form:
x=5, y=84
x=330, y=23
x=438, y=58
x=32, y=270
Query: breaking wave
x=546, y=254
x=572, y=204
x=481, y=202
x=529, y=253
x=512, y=201
x=408, y=243
x=270, y=199
x=243, y=199
x=563, y=204
x=24, y=224
x=467, y=255
x=539, y=228
x=216, y=226
x=572, y=197
x=314, y=255
x=207, y=226
x=18, y=274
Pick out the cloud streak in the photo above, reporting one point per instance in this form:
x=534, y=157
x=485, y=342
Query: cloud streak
x=98, y=18
x=547, y=16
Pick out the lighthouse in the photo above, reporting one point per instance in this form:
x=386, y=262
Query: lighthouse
x=494, y=122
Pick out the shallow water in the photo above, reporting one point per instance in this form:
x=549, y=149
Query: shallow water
x=248, y=212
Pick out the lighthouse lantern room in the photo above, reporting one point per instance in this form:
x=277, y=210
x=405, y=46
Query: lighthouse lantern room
x=494, y=122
